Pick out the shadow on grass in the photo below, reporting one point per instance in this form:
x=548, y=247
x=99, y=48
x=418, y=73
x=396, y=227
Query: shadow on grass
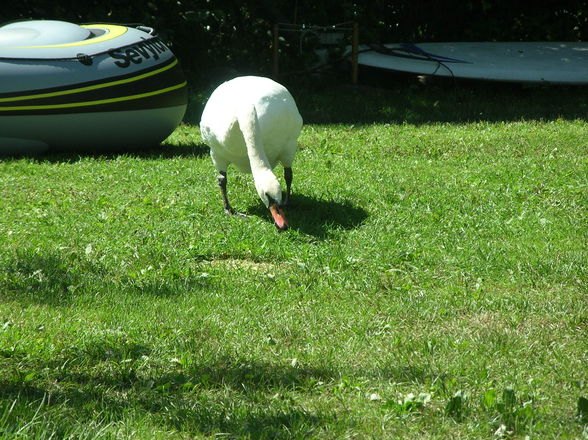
x=54, y=279
x=317, y=217
x=163, y=151
x=33, y=277
x=241, y=397
x=191, y=400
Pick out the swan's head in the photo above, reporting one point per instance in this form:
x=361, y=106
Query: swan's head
x=269, y=191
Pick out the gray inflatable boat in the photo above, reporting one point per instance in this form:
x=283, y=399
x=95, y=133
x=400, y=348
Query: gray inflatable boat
x=91, y=87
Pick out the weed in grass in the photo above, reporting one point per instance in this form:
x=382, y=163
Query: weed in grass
x=457, y=406
x=513, y=415
x=408, y=404
x=583, y=409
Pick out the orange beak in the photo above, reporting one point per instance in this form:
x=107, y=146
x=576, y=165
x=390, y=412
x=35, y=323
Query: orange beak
x=279, y=217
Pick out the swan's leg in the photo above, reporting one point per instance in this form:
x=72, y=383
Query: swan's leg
x=288, y=179
x=287, y=159
x=222, y=183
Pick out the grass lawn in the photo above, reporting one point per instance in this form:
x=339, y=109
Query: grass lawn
x=432, y=286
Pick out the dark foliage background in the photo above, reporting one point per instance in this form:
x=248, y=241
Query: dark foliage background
x=217, y=38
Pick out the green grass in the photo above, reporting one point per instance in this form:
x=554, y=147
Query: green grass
x=433, y=284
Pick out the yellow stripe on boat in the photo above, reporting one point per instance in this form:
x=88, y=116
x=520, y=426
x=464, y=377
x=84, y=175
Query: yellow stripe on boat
x=96, y=102
x=90, y=88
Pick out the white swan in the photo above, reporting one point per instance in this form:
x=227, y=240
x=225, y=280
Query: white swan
x=253, y=123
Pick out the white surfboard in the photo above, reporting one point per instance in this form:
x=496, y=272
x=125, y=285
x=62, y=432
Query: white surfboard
x=560, y=63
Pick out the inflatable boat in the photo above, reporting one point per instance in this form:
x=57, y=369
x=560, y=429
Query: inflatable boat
x=89, y=87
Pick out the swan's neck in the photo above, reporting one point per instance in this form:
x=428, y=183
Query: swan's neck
x=257, y=157
x=255, y=148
